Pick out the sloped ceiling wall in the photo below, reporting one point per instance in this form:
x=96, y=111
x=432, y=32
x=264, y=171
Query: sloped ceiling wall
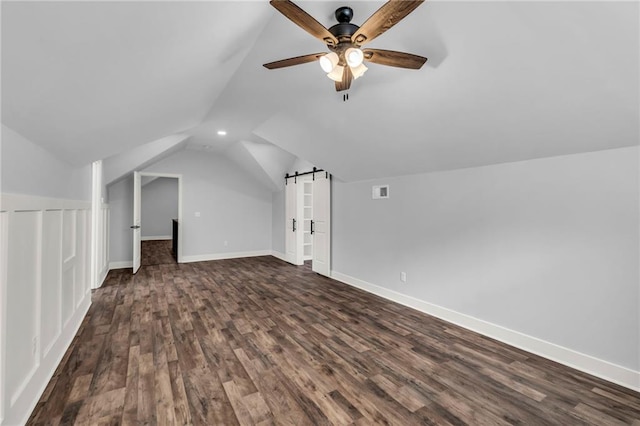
x=87, y=80
x=505, y=81
x=120, y=165
x=510, y=81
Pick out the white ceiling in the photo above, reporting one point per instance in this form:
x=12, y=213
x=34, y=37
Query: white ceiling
x=505, y=81
x=90, y=79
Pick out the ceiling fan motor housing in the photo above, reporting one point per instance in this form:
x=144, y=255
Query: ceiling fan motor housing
x=344, y=29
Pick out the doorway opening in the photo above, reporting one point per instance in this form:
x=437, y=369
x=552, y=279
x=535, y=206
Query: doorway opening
x=157, y=214
x=156, y=252
x=158, y=210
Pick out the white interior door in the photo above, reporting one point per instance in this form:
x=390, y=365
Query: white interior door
x=321, y=224
x=137, y=201
x=293, y=224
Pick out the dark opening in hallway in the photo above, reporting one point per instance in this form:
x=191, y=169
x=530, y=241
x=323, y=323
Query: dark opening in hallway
x=156, y=252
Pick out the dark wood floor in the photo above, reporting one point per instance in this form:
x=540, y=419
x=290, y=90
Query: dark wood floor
x=257, y=341
x=156, y=252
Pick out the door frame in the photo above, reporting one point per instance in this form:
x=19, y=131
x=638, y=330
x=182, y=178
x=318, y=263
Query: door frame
x=97, y=237
x=175, y=176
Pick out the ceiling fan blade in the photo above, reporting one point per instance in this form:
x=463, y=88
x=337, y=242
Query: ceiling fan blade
x=347, y=78
x=294, y=61
x=384, y=18
x=304, y=21
x=394, y=59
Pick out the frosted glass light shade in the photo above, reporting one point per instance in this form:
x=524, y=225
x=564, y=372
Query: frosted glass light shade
x=336, y=74
x=329, y=61
x=358, y=71
x=354, y=56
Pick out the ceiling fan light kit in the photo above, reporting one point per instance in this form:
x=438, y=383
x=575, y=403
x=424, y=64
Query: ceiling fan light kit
x=358, y=71
x=354, y=57
x=329, y=61
x=345, y=61
x=336, y=73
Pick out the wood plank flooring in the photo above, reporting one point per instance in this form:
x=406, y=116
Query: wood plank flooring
x=156, y=252
x=258, y=341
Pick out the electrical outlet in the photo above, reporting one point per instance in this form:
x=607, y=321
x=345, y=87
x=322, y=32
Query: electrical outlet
x=197, y=214
x=403, y=277
x=226, y=243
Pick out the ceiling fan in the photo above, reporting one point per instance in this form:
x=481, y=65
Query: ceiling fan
x=344, y=62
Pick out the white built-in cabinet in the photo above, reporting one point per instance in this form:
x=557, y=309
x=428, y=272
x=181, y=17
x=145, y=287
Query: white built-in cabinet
x=307, y=195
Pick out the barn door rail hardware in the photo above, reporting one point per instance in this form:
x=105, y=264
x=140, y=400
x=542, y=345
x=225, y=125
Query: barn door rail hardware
x=296, y=175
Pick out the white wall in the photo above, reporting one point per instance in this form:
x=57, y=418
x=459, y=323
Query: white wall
x=28, y=168
x=121, y=218
x=548, y=248
x=44, y=268
x=159, y=206
x=120, y=165
x=277, y=222
x=233, y=207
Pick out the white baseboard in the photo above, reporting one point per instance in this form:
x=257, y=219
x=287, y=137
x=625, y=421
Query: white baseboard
x=279, y=255
x=221, y=256
x=121, y=265
x=156, y=238
x=102, y=276
x=597, y=367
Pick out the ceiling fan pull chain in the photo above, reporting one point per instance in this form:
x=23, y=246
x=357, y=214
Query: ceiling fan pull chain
x=345, y=97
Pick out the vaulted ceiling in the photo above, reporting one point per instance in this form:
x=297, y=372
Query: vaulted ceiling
x=505, y=81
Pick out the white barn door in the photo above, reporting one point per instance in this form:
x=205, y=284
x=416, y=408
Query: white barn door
x=293, y=222
x=137, y=202
x=321, y=224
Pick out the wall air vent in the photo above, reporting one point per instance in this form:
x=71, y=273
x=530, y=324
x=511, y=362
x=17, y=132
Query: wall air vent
x=380, y=191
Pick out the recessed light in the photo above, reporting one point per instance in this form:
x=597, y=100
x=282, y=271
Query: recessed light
x=222, y=132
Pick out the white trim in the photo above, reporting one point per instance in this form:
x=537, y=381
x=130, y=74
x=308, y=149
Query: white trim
x=279, y=255
x=19, y=401
x=50, y=365
x=121, y=265
x=221, y=256
x=22, y=202
x=96, y=211
x=101, y=277
x=597, y=367
x=156, y=238
x=4, y=230
x=180, y=231
x=167, y=175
